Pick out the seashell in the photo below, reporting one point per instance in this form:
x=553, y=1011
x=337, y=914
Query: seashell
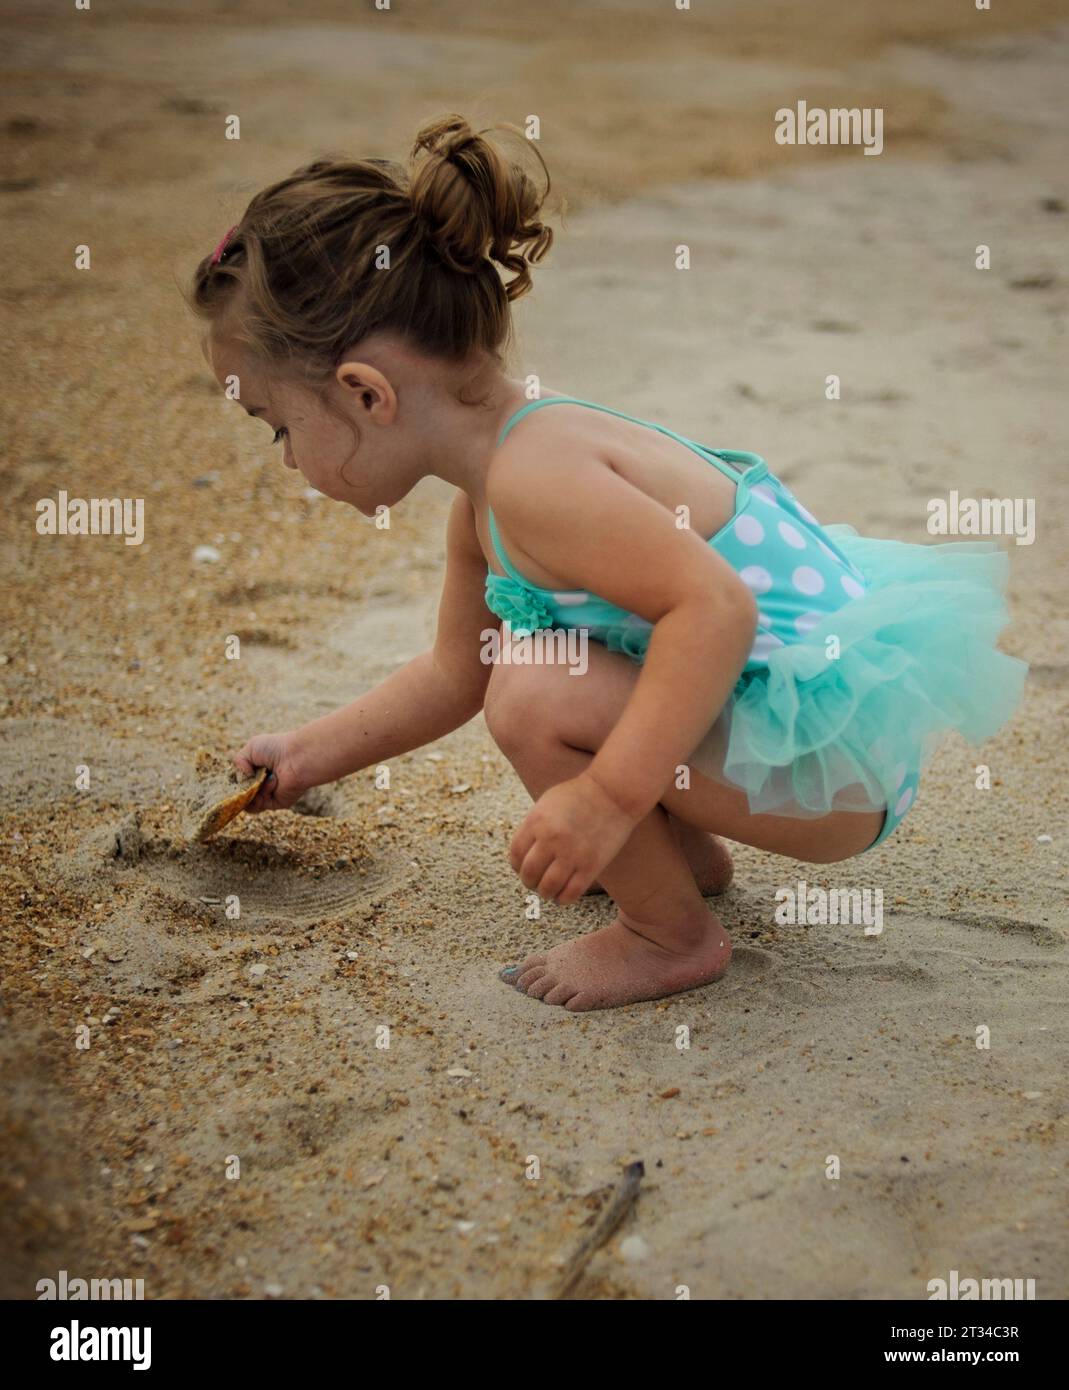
x=219, y=801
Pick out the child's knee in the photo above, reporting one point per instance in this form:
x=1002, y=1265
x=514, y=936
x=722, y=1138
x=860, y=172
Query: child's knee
x=520, y=705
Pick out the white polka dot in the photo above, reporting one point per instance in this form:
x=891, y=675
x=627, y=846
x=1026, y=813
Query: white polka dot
x=899, y=775
x=806, y=622
x=902, y=804
x=570, y=598
x=749, y=530
x=756, y=578
x=766, y=494
x=807, y=580
x=763, y=620
x=791, y=535
x=852, y=587
x=766, y=642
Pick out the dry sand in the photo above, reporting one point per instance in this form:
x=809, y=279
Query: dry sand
x=257, y=1037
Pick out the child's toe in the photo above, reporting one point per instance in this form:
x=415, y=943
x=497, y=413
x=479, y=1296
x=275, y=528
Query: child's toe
x=512, y=974
x=541, y=985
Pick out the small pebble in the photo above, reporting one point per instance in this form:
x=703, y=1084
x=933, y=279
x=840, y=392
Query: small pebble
x=206, y=555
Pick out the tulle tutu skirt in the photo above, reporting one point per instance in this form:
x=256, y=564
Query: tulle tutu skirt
x=916, y=660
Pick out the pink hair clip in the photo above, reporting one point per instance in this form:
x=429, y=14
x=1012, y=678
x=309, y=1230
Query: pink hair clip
x=217, y=254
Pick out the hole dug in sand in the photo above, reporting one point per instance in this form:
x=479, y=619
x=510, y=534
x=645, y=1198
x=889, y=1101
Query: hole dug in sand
x=265, y=885
x=174, y=915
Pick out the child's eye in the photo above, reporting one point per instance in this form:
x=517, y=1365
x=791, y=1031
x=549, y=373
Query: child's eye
x=280, y=434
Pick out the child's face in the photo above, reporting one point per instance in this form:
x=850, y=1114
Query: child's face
x=316, y=442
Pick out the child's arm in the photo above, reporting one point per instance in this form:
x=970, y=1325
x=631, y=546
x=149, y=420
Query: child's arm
x=425, y=699
x=584, y=523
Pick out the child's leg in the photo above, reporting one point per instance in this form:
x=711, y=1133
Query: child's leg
x=549, y=724
x=707, y=855
x=664, y=937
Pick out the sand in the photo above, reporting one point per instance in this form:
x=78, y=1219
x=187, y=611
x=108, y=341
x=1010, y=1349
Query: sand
x=400, y=1117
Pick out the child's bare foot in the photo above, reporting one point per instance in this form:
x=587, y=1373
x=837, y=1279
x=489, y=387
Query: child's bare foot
x=709, y=859
x=621, y=965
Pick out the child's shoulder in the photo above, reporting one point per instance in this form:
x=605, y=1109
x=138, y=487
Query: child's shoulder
x=542, y=451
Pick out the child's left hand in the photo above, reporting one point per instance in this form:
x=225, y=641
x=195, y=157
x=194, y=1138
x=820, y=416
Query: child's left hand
x=569, y=835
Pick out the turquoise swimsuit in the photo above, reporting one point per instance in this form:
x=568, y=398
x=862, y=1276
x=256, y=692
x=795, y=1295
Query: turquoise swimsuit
x=826, y=702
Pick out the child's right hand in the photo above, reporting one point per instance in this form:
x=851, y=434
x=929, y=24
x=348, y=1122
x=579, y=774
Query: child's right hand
x=283, y=786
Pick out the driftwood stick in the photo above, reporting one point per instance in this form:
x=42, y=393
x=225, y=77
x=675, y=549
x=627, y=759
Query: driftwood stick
x=614, y=1213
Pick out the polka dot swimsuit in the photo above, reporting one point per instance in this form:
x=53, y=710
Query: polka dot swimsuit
x=780, y=553
x=796, y=572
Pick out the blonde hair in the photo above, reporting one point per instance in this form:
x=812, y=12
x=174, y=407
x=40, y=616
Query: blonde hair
x=299, y=283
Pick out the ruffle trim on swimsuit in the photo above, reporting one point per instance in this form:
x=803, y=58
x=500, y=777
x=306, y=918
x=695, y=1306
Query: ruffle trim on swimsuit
x=916, y=660
x=516, y=604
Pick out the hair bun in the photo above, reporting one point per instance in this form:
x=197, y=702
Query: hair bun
x=472, y=203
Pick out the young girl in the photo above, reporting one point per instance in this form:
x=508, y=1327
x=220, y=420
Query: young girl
x=750, y=673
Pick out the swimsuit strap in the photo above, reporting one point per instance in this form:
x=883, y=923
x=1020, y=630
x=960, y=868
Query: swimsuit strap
x=499, y=549
x=755, y=466
x=708, y=454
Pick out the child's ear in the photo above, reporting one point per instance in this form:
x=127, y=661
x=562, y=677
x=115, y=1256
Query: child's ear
x=368, y=388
